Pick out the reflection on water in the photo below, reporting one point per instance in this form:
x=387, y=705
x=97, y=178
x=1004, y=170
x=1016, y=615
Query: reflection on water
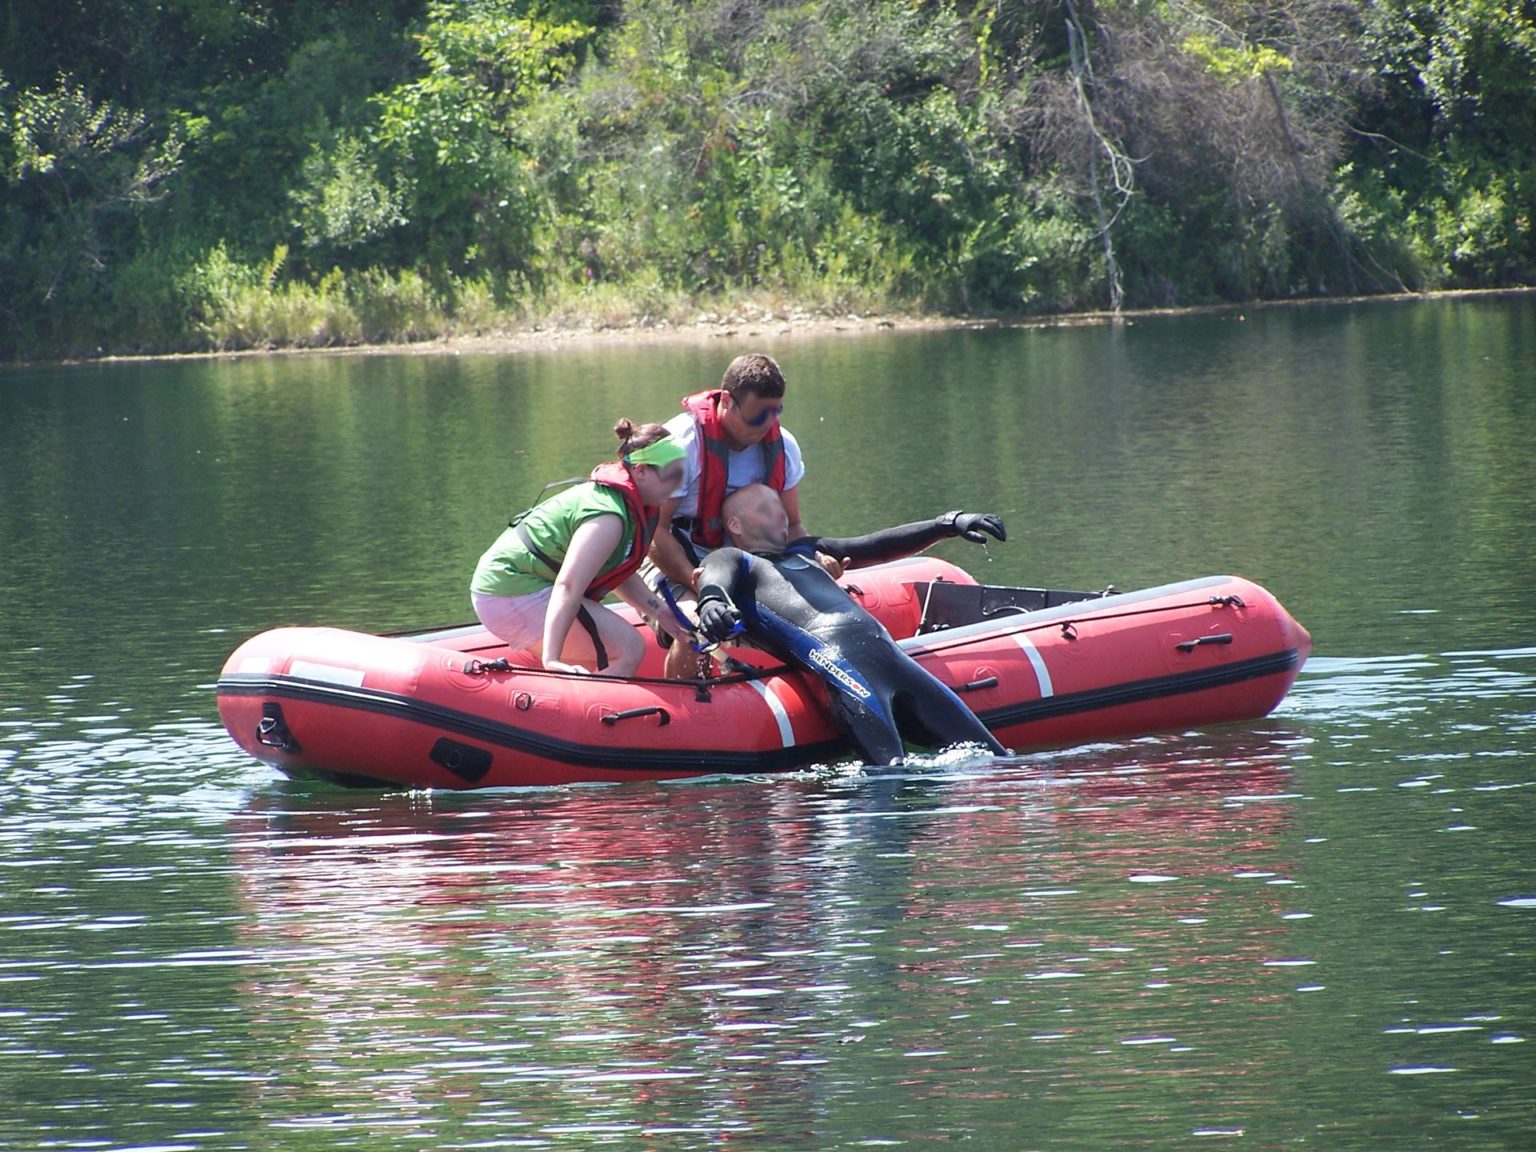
x=733, y=958
x=1313, y=930
x=1321, y=921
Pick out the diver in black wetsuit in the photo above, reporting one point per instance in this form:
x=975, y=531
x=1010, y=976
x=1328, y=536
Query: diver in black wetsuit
x=791, y=606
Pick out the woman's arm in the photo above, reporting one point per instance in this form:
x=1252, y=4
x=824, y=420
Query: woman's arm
x=591, y=546
x=643, y=599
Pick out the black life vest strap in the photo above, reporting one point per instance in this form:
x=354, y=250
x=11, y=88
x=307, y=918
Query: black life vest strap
x=584, y=618
x=538, y=553
x=515, y=520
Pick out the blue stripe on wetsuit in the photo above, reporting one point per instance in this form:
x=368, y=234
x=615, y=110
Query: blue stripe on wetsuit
x=811, y=652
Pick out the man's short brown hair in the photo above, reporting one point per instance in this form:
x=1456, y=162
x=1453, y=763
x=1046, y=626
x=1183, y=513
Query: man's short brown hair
x=753, y=375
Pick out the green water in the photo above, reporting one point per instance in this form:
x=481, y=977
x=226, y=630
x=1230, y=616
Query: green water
x=1318, y=930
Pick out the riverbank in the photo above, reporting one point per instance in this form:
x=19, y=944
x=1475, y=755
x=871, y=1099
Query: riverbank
x=707, y=327
x=763, y=324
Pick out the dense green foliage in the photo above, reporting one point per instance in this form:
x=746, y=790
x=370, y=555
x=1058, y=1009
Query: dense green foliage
x=190, y=174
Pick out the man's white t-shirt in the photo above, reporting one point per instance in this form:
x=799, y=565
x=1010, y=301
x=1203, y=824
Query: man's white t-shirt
x=746, y=467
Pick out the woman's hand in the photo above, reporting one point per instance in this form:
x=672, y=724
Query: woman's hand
x=676, y=627
x=645, y=600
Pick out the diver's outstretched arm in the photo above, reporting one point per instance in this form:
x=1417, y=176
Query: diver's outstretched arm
x=908, y=539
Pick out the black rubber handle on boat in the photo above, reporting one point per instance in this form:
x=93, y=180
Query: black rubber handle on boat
x=978, y=685
x=272, y=729
x=635, y=713
x=1201, y=641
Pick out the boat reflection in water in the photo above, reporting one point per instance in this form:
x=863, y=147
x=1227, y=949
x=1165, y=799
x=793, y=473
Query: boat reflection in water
x=733, y=956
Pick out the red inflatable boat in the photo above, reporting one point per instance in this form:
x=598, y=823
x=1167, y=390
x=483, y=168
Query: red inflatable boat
x=454, y=709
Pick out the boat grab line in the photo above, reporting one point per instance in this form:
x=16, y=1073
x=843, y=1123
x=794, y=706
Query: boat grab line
x=1067, y=622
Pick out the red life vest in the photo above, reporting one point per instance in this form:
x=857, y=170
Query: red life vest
x=715, y=465
x=615, y=475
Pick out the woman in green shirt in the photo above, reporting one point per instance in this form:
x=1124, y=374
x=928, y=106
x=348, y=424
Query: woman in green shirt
x=557, y=560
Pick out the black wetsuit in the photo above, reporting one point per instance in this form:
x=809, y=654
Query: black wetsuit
x=792, y=607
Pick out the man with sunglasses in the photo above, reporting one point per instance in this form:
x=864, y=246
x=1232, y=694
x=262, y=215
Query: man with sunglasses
x=732, y=438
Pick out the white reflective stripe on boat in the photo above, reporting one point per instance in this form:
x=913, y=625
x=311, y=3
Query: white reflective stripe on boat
x=1042, y=674
x=327, y=673
x=786, y=729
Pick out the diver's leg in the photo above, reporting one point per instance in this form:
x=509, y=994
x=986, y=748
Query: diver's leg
x=874, y=736
x=933, y=706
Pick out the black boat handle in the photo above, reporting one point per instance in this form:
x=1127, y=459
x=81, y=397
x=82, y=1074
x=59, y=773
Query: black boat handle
x=978, y=685
x=635, y=713
x=1201, y=641
x=272, y=730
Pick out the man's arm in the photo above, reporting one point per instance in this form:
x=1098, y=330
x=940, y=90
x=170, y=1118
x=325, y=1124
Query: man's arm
x=790, y=498
x=907, y=539
x=666, y=553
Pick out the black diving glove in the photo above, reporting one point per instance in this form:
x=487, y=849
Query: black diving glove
x=971, y=525
x=718, y=618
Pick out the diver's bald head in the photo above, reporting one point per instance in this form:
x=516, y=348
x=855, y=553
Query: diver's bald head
x=755, y=519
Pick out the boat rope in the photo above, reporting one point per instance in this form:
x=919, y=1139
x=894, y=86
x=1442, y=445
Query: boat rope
x=1069, y=626
x=737, y=671
x=485, y=667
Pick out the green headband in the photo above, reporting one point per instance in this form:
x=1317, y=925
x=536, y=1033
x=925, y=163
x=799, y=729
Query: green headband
x=657, y=454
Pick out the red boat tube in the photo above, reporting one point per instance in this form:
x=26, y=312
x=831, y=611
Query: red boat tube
x=455, y=709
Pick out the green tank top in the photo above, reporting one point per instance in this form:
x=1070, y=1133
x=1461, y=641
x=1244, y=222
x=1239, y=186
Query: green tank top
x=509, y=568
